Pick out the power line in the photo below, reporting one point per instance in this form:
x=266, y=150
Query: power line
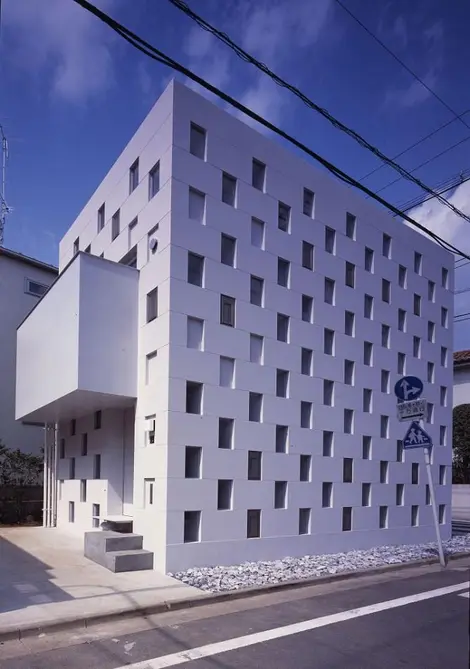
x=244, y=55
x=160, y=57
x=408, y=69
x=443, y=187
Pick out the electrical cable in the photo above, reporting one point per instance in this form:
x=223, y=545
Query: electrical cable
x=244, y=55
x=160, y=57
x=443, y=187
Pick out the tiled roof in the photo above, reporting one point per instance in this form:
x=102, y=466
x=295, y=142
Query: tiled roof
x=461, y=357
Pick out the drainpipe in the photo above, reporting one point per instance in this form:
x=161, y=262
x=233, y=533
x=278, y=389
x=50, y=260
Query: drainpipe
x=45, y=506
x=50, y=476
x=54, y=476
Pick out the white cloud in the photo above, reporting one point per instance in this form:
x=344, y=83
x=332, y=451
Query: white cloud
x=65, y=41
x=413, y=94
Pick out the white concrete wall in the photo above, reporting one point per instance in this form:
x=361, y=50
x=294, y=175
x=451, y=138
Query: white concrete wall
x=461, y=502
x=461, y=386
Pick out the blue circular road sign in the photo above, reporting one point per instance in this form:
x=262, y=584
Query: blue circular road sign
x=408, y=388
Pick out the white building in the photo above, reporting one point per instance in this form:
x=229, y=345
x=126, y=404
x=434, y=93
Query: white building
x=221, y=362
x=461, y=378
x=23, y=281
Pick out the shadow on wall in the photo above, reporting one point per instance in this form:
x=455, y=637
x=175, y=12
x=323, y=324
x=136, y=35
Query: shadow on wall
x=25, y=580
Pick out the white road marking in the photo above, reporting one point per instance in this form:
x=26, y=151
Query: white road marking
x=279, y=632
x=465, y=594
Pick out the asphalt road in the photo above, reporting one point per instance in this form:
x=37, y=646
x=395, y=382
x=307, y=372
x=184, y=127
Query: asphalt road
x=416, y=618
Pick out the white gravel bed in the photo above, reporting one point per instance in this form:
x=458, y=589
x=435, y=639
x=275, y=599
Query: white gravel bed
x=222, y=578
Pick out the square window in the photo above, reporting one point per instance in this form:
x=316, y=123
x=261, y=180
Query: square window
x=227, y=310
x=283, y=327
x=442, y=514
x=402, y=320
x=226, y=372
x=328, y=342
x=431, y=331
x=418, y=261
x=97, y=466
x=417, y=305
x=349, y=322
x=428, y=495
x=115, y=225
x=383, y=517
x=367, y=400
x=442, y=435
x=329, y=291
x=442, y=474
x=192, y=462
x=73, y=427
x=304, y=521
x=350, y=226
x=224, y=494
x=384, y=381
x=443, y=356
x=416, y=347
x=282, y=432
x=347, y=519
x=305, y=414
x=330, y=240
x=384, y=426
x=307, y=309
x=444, y=317
x=307, y=255
x=368, y=353
x=194, y=333
x=415, y=473
x=72, y=468
x=328, y=444
x=101, y=218
x=193, y=397
x=154, y=181
x=71, y=512
x=76, y=246
x=97, y=420
x=256, y=348
x=282, y=383
x=84, y=449
x=254, y=465
x=253, y=523
x=195, y=269
x=347, y=470
x=197, y=205
x=305, y=468
x=256, y=290
x=327, y=495
x=152, y=305
x=368, y=259
x=386, y=336
x=257, y=233
x=401, y=358
x=258, y=174
x=366, y=490
x=385, y=290
x=227, y=250
x=283, y=217
x=414, y=515
x=328, y=392
x=400, y=494
x=280, y=494
x=192, y=527
x=402, y=276
x=386, y=246
x=229, y=189
x=308, y=202
x=400, y=451
x=366, y=447
x=134, y=176
x=350, y=274
x=349, y=372
x=306, y=361
x=255, y=406
x=225, y=433
x=283, y=271
x=430, y=413
x=348, y=421
x=383, y=471
x=431, y=290
x=368, y=306
x=197, y=141
x=96, y=517
x=445, y=277
x=443, y=396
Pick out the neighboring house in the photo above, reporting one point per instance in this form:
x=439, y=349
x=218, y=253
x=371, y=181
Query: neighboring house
x=461, y=378
x=23, y=281
x=221, y=360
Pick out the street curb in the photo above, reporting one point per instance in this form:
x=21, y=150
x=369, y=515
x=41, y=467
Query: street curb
x=28, y=630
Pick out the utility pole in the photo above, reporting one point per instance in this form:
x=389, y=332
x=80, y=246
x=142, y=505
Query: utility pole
x=4, y=208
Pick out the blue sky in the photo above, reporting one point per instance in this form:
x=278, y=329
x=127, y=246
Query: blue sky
x=73, y=93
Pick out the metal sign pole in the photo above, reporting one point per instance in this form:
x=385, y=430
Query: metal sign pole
x=427, y=459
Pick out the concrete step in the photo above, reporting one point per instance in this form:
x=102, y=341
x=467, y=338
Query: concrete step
x=132, y=560
x=123, y=542
x=99, y=543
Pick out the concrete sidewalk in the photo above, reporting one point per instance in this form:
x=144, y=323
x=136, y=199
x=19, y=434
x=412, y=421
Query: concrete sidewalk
x=45, y=579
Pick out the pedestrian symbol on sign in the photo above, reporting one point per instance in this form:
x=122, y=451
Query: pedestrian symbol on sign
x=416, y=437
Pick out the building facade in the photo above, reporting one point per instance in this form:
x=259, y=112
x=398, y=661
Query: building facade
x=461, y=378
x=229, y=326
x=23, y=281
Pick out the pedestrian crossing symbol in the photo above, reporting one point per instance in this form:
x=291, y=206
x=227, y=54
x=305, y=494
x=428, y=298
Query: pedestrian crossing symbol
x=416, y=437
